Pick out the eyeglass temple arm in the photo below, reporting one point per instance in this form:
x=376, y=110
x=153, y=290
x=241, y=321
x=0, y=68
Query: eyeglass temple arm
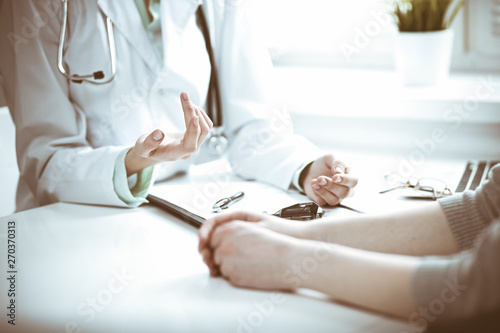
x=392, y=189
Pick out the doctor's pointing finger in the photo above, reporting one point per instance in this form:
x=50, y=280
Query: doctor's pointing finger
x=157, y=147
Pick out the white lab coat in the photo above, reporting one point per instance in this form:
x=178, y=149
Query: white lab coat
x=69, y=135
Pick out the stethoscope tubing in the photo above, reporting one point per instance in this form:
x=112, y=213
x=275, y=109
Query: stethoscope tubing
x=97, y=76
x=214, y=92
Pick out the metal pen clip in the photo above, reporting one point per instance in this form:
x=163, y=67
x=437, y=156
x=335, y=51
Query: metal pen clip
x=224, y=203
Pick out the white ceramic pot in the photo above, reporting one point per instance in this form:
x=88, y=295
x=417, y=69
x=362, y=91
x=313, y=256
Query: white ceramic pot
x=423, y=58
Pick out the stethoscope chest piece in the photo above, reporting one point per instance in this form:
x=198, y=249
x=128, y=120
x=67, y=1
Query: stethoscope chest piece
x=217, y=143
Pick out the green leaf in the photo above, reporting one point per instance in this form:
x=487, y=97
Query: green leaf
x=425, y=15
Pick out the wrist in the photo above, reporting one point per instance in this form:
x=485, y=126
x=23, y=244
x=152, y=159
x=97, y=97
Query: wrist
x=287, y=227
x=304, y=174
x=318, y=263
x=313, y=230
x=135, y=163
x=296, y=262
x=324, y=231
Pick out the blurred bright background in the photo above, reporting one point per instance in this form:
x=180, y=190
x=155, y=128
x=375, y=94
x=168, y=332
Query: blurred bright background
x=315, y=32
x=336, y=75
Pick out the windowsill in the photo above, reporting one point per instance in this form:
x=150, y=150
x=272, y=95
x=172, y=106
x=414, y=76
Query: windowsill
x=352, y=93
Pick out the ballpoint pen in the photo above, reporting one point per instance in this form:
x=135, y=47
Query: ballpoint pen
x=224, y=203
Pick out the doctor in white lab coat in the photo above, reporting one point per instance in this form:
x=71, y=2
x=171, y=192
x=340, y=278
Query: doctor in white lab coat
x=79, y=142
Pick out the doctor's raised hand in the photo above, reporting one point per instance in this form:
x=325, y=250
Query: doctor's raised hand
x=157, y=147
x=327, y=181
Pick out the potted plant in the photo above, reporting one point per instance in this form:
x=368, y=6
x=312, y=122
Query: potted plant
x=425, y=40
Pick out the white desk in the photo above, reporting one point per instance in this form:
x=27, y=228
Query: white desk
x=68, y=257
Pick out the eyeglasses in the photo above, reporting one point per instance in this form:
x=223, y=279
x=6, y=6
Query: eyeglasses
x=432, y=187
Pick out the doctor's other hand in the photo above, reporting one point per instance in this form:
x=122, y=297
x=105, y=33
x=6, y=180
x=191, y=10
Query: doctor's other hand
x=327, y=181
x=157, y=147
x=207, y=230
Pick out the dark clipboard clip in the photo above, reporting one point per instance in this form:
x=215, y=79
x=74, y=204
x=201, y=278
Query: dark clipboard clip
x=301, y=212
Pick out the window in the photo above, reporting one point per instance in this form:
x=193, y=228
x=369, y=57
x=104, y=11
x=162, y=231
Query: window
x=360, y=33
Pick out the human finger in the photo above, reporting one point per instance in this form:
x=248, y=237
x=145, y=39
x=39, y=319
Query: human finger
x=326, y=184
x=339, y=190
x=219, y=234
x=217, y=258
x=190, y=139
x=207, y=228
x=147, y=144
x=315, y=196
x=188, y=108
x=338, y=167
x=207, y=255
x=329, y=197
x=206, y=117
x=204, y=126
x=346, y=180
x=185, y=147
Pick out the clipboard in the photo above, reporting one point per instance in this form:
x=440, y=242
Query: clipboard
x=192, y=202
x=179, y=212
x=191, y=198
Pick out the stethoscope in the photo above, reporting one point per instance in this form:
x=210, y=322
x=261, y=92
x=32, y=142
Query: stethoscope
x=217, y=142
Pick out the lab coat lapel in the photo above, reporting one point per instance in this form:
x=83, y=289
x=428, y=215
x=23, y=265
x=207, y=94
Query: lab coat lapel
x=127, y=21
